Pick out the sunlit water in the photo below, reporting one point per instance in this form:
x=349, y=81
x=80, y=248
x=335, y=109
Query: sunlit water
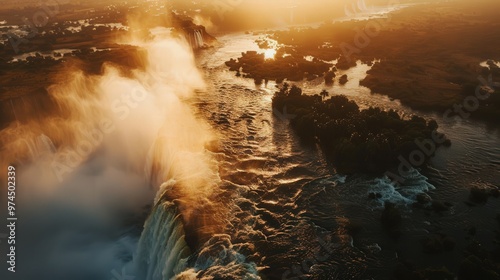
x=308, y=200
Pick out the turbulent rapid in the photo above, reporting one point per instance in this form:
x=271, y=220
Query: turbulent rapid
x=293, y=215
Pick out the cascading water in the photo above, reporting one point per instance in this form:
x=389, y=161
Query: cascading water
x=185, y=206
x=195, y=39
x=198, y=36
x=162, y=251
x=40, y=146
x=111, y=122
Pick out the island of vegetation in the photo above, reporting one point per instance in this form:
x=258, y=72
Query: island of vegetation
x=354, y=140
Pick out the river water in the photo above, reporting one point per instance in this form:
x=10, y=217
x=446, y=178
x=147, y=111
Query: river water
x=300, y=215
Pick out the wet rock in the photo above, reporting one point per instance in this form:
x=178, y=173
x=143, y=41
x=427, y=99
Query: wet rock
x=329, y=76
x=447, y=143
x=343, y=80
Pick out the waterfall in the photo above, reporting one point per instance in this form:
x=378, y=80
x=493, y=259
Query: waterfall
x=195, y=39
x=46, y=144
x=198, y=36
x=162, y=251
x=40, y=146
x=186, y=175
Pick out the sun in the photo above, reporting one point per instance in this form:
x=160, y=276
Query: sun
x=269, y=53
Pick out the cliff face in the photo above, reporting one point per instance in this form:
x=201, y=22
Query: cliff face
x=196, y=35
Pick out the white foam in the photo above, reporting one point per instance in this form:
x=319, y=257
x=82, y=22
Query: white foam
x=162, y=249
x=403, y=194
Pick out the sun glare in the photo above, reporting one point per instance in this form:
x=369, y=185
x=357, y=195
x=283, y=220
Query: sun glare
x=269, y=53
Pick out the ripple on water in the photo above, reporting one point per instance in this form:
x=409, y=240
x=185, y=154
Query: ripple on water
x=289, y=196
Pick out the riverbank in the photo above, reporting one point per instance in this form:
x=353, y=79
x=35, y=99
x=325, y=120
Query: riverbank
x=429, y=55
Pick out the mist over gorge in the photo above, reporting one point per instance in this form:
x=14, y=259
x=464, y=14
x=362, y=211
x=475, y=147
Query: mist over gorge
x=117, y=138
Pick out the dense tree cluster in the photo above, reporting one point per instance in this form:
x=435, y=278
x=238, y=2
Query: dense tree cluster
x=293, y=68
x=369, y=140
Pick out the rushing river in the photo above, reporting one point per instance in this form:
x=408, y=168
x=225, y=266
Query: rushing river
x=299, y=213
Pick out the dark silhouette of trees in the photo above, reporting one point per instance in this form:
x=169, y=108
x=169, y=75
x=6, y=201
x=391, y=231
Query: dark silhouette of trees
x=324, y=94
x=369, y=140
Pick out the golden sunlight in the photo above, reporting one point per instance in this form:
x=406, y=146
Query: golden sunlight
x=269, y=53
